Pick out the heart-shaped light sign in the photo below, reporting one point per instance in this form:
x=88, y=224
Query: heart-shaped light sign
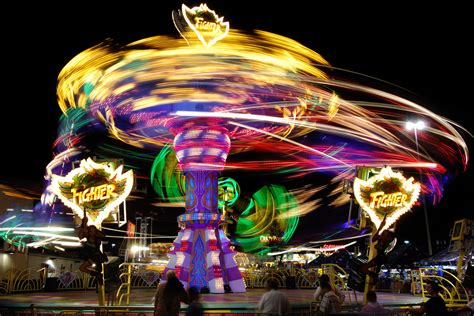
x=207, y=25
x=66, y=278
x=94, y=189
x=387, y=194
x=150, y=277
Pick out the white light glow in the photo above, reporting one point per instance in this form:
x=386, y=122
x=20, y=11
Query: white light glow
x=6, y=220
x=419, y=125
x=36, y=244
x=50, y=263
x=236, y=116
x=138, y=248
x=308, y=249
x=68, y=243
x=49, y=229
x=33, y=233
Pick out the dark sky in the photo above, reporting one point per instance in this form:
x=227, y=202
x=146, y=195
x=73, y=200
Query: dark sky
x=424, y=50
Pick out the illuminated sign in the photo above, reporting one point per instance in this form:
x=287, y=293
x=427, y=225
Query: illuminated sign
x=94, y=188
x=386, y=194
x=331, y=246
x=270, y=239
x=207, y=25
x=380, y=199
x=101, y=192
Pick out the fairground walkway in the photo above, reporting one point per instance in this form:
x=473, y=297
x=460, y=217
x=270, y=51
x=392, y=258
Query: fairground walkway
x=85, y=302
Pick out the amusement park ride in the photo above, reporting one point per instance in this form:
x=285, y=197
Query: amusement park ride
x=462, y=243
x=192, y=105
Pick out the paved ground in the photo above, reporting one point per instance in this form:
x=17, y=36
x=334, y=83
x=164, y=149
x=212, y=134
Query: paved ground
x=141, y=297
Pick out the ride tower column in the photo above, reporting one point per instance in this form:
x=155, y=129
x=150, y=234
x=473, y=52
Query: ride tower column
x=201, y=256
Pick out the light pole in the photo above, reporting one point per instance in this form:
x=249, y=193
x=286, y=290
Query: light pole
x=226, y=198
x=419, y=125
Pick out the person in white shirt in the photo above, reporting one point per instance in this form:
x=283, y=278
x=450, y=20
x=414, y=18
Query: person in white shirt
x=318, y=294
x=330, y=302
x=273, y=302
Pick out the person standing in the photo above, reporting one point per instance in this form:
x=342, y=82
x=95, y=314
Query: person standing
x=384, y=243
x=112, y=279
x=273, y=302
x=435, y=306
x=169, y=296
x=373, y=307
x=195, y=307
x=91, y=239
x=43, y=274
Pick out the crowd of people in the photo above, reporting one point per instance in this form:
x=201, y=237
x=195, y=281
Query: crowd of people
x=329, y=298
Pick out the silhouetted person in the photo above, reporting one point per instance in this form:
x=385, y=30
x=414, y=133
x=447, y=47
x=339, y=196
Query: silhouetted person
x=169, y=296
x=273, y=302
x=91, y=239
x=383, y=242
x=435, y=306
x=195, y=307
x=112, y=279
x=373, y=307
x=43, y=273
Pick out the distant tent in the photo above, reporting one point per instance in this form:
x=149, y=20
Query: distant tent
x=403, y=256
x=349, y=263
x=469, y=277
x=443, y=257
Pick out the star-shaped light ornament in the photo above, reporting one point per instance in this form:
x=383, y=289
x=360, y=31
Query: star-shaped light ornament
x=94, y=189
x=387, y=194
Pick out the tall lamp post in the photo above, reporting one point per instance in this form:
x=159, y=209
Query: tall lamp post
x=415, y=126
x=224, y=211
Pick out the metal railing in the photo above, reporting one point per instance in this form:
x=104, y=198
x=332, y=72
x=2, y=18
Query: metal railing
x=28, y=280
x=304, y=278
x=453, y=292
x=133, y=276
x=338, y=277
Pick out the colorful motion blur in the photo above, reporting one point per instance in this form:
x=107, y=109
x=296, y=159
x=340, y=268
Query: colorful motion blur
x=284, y=115
x=263, y=222
x=271, y=94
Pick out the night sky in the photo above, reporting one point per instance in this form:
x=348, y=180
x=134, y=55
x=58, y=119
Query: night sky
x=415, y=48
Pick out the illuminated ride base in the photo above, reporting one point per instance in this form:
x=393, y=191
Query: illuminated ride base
x=201, y=256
